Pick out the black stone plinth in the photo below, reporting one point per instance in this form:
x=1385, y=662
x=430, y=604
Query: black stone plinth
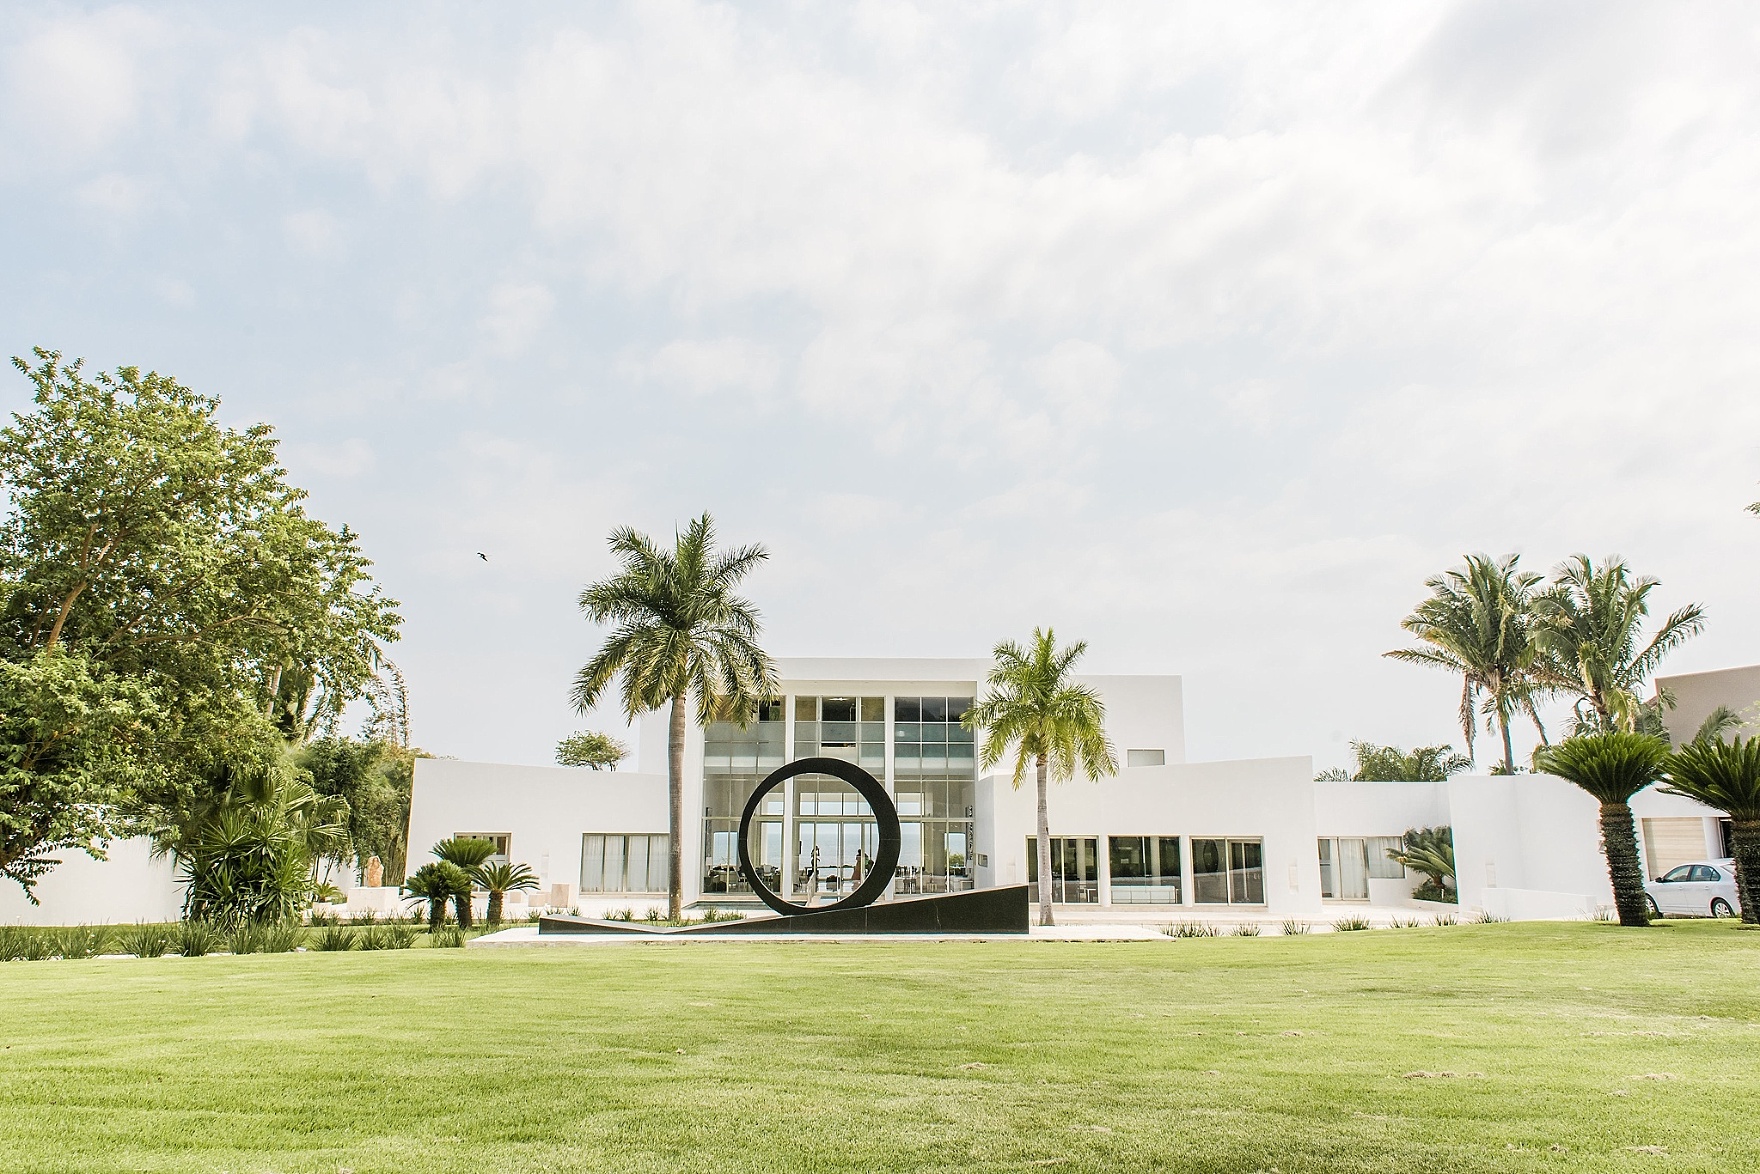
x=980, y=911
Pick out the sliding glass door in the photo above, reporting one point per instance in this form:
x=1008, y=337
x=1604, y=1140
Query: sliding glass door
x=1228, y=872
x=1075, y=868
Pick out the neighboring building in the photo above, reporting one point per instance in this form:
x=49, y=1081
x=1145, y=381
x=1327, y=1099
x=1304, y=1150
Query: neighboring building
x=1164, y=838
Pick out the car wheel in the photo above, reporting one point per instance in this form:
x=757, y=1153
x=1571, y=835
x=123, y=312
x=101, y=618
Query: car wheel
x=1655, y=909
x=1721, y=908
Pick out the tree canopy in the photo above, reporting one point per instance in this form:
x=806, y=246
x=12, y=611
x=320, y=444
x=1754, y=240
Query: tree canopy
x=592, y=750
x=1390, y=764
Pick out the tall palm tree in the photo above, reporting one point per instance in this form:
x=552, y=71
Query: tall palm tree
x=681, y=634
x=1589, y=630
x=1613, y=766
x=1726, y=776
x=1477, y=623
x=1052, y=722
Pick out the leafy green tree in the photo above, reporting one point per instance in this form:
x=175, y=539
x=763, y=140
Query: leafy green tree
x=1051, y=721
x=1725, y=776
x=500, y=878
x=681, y=635
x=1590, y=631
x=1613, y=766
x=592, y=750
x=1390, y=764
x=71, y=740
x=437, y=883
x=169, y=556
x=1429, y=851
x=374, y=778
x=1478, y=623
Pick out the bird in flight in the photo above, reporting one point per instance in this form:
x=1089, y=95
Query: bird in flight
x=482, y=556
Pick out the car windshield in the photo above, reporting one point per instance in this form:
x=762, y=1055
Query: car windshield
x=1678, y=873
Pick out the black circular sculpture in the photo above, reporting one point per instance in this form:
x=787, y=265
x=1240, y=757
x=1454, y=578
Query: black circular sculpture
x=885, y=814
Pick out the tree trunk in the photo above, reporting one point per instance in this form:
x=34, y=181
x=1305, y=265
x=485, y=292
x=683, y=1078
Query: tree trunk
x=461, y=904
x=1619, y=841
x=675, y=809
x=1746, y=834
x=1044, y=847
x=436, y=913
x=495, y=899
x=1509, y=753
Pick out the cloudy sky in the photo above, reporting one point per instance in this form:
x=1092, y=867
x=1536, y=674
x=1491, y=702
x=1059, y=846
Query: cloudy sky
x=1202, y=332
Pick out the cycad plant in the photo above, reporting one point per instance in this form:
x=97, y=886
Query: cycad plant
x=437, y=883
x=1589, y=628
x=1477, y=623
x=468, y=854
x=1051, y=721
x=1429, y=851
x=681, y=635
x=1726, y=776
x=500, y=878
x=1613, y=767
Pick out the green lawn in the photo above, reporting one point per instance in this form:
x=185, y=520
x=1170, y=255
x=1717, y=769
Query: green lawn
x=1571, y=1047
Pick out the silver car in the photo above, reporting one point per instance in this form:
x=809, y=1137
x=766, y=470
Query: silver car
x=1704, y=888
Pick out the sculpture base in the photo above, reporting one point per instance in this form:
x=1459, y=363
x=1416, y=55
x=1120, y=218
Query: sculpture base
x=979, y=911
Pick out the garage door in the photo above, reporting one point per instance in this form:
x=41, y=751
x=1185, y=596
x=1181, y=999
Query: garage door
x=1668, y=842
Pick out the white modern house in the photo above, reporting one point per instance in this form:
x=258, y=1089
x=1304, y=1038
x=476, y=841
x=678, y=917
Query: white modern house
x=1163, y=839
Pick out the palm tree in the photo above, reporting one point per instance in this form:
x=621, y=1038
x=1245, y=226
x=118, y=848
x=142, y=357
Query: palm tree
x=500, y=878
x=1613, y=766
x=1726, y=776
x=1477, y=623
x=1053, y=722
x=467, y=854
x=1390, y=764
x=1589, y=629
x=681, y=634
x=437, y=883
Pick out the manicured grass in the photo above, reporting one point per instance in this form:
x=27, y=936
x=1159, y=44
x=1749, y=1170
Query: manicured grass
x=1572, y=1047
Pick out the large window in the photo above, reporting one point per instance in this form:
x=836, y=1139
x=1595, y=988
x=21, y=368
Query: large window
x=933, y=769
x=624, y=864
x=735, y=758
x=837, y=837
x=1075, y=869
x=1145, y=870
x=928, y=738
x=502, y=840
x=850, y=728
x=1344, y=868
x=1382, y=865
x=1228, y=872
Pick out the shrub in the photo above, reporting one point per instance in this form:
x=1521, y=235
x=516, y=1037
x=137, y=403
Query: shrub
x=244, y=938
x=14, y=942
x=282, y=938
x=317, y=918
x=1431, y=891
x=147, y=941
x=1406, y=923
x=653, y=916
x=447, y=939
x=1486, y=917
x=713, y=914
x=1351, y=924
x=399, y=937
x=1191, y=929
x=333, y=938
x=1247, y=929
x=81, y=941
x=195, y=938
x=1442, y=919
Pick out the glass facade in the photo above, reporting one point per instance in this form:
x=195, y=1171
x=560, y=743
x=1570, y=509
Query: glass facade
x=1228, y=872
x=1145, y=870
x=934, y=768
x=1075, y=869
x=735, y=759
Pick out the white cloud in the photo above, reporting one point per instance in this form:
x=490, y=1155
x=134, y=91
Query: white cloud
x=517, y=311
x=312, y=231
x=708, y=366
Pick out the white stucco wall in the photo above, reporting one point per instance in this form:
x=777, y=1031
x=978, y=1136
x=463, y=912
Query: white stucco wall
x=544, y=809
x=127, y=887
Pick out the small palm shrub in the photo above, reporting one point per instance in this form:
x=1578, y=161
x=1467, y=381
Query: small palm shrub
x=147, y=941
x=1442, y=919
x=1247, y=929
x=195, y=938
x=282, y=938
x=1351, y=924
x=398, y=937
x=332, y=938
x=1292, y=927
x=81, y=941
x=500, y=878
x=1192, y=929
x=447, y=939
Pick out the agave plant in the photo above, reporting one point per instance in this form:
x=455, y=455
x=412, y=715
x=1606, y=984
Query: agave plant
x=1726, y=776
x=1613, y=767
x=500, y=878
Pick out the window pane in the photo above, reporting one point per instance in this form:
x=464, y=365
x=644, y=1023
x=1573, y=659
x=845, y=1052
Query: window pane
x=1353, y=869
x=907, y=709
x=1246, y=874
x=874, y=709
x=837, y=709
x=1381, y=866
x=935, y=709
x=1209, y=872
x=956, y=707
x=637, y=864
x=614, y=864
x=659, y=863
x=806, y=709
x=1145, y=758
x=592, y=864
